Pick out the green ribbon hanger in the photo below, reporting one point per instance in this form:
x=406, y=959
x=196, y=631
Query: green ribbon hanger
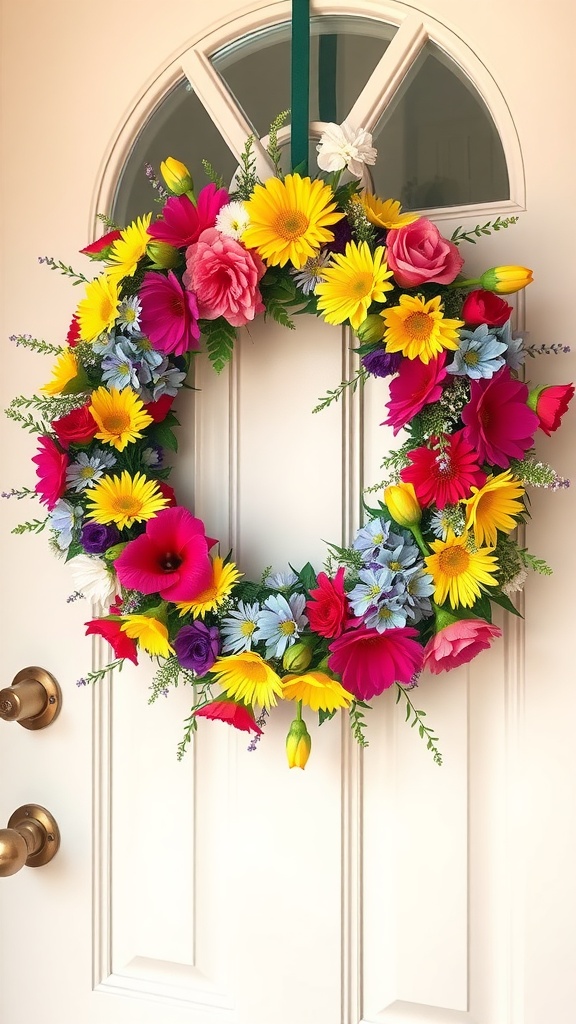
x=300, y=84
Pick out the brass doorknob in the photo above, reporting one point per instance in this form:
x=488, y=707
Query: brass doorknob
x=33, y=700
x=32, y=838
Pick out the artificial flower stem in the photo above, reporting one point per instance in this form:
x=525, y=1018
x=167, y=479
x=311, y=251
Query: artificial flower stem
x=417, y=534
x=471, y=282
x=299, y=710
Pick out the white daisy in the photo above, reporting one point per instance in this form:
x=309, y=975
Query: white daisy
x=87, y=469
x=94, y=578
x=238, y=628
x=233, y=220
x=280, y=622
x=341, y=146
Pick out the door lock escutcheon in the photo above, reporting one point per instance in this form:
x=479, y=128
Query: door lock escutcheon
x=33, y=700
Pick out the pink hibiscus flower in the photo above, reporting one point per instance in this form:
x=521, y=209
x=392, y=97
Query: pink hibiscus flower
x=457, y=643
x=328, y=610
x=169, y=314
x=224, y=277
x=170, y=558
x=442, y=476
x=498, y=423
x=234, y=714
x=370, y=662
x=51, y=472
x=111, y=630
x=182, y=223
x=416, y=385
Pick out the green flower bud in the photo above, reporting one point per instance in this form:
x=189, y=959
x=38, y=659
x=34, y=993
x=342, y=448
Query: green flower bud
x=298, y=744
x=177, y=176
x=297, y=658
x=371, y=329
x=163, y=256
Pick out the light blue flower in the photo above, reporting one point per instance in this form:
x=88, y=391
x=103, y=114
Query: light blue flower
x=128, y=318
x=419, y=589
x=387, y=615
x=86, y=470
x=104, y=343
x=148, y=357
x=120, y=366
x=152, y=457
x=376, y=583
x=479, y=354
x=238, y=628
x=65, y=520
x=166, y=380
x=370, y=538
x=515, y=352
x=399, y=557
x=281, y=580
x=280, y=622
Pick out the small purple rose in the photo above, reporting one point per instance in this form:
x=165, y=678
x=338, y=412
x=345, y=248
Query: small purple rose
x=97, y=538
x=197, y=647
x=381, y=363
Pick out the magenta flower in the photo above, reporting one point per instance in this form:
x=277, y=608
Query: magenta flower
x=51, y=472
x=182, y=223
x=498, y=423
x=369, y=662
x=458, y=643
x=169, y=559
x=416, y=385
x=224, y=277
x=169, y=314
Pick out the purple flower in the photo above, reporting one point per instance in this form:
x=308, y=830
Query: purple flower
x=197, y=647
x=96, y=538
x=381, y=363
x=342, y=235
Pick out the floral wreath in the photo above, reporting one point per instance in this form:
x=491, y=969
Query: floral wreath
x=415, y=588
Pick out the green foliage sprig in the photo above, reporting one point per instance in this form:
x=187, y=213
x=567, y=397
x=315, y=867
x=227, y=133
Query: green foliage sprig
x=358, y=723
x=33, y=526
x=45, y=348
x=273, y=150
x=212, y=174
x=68, y=271
x=247, y=177
x=482, y=229
x=424, y=731
x=359, y=378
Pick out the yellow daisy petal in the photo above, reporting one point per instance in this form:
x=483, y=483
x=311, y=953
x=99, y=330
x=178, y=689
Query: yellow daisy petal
x=129, y=249
x=151, y=634
x=64, y=371
x=98, y=311
x=494, y=507
x=247, y=677
x=125, y=500
x=120, y=416
x=459, y=572
x=352, y=282
x=385, y=213
x=224, y=578
x=419, y=329
x=317, y=690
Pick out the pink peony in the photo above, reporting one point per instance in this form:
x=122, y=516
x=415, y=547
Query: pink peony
x=51, y=472
x=224, y=277
x=122, y=645
x=235, y=715
x=457, y=643
x=182, y=222
x=444, y=476
x=169, y=314
x=418, y=254
x=170, y=558
x=417, y=384
x=482, y=307
x=370, y=662
x=328, y=610
x=550, y=403
x=498, y=423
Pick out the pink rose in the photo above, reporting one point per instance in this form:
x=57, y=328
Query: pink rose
x=224, y=277
x=458, y=643
x=417, y=254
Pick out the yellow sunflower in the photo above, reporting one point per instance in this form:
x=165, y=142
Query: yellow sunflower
x=317, y=690
x=385, y=213
x=459, y=571
x=290, y=220
x=151, y=634
x=64, y=372
x=224, y=577
x=125, y=500
x=98, y=311
x=494, y=507
x=120, y=415
x=352, y=282
x=128, y=249
x=247, y=677
x=419, y=329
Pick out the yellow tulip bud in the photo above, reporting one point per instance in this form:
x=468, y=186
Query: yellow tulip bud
x=505, y=280
x=297, y=658
x=298, y=744
x=402, y=504
x=177, y=176
x=163, y=256
x=371, y=329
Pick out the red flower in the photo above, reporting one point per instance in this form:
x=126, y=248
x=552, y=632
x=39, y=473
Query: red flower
x=167, y=492
x=234, y=714
x=73, y=336
x=52, y=465
x=98, y=249
x=441, y=476
x=550, y=403
x=482, y=307
x=159, y=409
x=370, y=662
x=498, y=423
x=182, y=222
x=416, y=385
x=170, y=559
x=458, y=643
x=327, y=611
x=76, y=427
x=121, y=644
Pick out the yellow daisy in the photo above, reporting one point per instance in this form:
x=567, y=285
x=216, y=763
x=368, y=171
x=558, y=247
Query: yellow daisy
x=125, y=500
x=120, y=416
x=151, y=634
x=316, y=690
x=385, y=213
x=494, y=507
x=458, y=571
x=419, y=329
x=128, y=249
x=247, y=677
x=64, y=372
x=352, y=282
x=98, y=311
x=224, y=578
x=290, y=220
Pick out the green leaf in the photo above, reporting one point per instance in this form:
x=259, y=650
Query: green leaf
x=307, y=576
x=504, y=601
x=325, y=716
x=165, y=436
x=220, y=337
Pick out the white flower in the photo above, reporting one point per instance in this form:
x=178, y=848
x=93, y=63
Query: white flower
x=92, y=576
x=232, y=220
x=341, y=146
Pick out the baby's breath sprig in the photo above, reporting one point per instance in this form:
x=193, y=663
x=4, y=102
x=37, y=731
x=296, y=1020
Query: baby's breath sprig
x=24, y=492
x=26, y=420
x=53, y=264
x=394, y=463
x=162, y=194
x=537, y=474
x=482, y=229
x=168, y=674
x=362, y=229
x=108, y=223
x=50, y=407
x=45, y=348
x=99, y=674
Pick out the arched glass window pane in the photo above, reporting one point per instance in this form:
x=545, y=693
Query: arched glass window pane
x=442, y=147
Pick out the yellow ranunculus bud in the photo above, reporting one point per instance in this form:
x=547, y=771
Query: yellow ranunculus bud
x=177, y=176
x=505, y=280
x=402, y=504
x=163, y=255
x=297, y=658
x=298, y=744
x=371, y=329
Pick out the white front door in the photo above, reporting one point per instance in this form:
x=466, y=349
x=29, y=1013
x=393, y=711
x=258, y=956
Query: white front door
x=374, y=886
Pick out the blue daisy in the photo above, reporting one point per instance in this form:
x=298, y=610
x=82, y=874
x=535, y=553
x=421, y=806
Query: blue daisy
x=479, y=354
x=280, y=622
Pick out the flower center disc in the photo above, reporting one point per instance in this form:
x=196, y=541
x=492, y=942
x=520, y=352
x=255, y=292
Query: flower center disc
x=419, y=326
x=362, y=285
x=127, y=504
x=454, y=561
x=117, y=422
x=291, y=224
